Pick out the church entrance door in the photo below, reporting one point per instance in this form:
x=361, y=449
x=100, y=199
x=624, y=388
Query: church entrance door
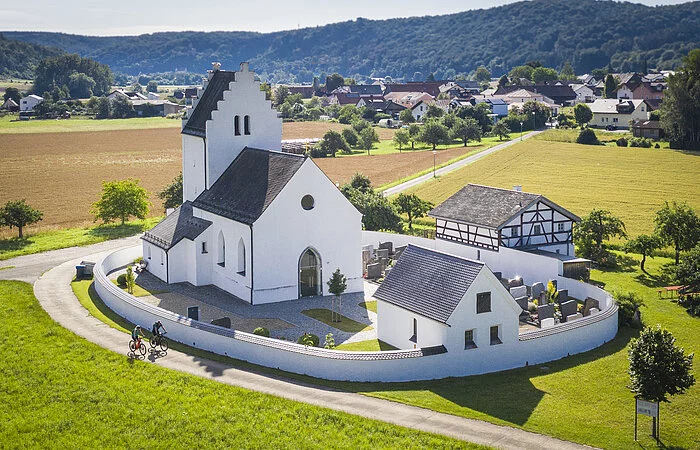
x=309, y=274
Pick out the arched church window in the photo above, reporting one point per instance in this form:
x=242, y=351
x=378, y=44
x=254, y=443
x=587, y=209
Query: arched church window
x=241, y=257
x=237, y=125
x=246, y=125
x=221, y=253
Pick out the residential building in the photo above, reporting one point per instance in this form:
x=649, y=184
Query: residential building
x=28, y=103
x=618, y=113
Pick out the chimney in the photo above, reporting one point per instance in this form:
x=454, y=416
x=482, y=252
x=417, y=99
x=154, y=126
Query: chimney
x=215, y=67
x=518, y=188
x=244, y=67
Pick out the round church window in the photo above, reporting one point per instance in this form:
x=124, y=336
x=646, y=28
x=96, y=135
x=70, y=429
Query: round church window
x=307, y=202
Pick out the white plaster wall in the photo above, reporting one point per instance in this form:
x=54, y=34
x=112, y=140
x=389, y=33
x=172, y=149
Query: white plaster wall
x=244, y=98
x=180, y=271
x=28, y=103
x=157, y=255
x=193, y=166
x=333, y=228
x=531, y=348
x=623, y=120
x=395, y=327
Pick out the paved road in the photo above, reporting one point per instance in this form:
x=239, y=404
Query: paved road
x=454, y=166
x=55, y=295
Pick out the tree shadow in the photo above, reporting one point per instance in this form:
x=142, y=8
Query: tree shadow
x=116, y=231
x=14, y=244
x=653, y=281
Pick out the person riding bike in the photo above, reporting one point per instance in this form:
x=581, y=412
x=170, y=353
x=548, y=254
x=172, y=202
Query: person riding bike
x=135, y=336
x=158, y=331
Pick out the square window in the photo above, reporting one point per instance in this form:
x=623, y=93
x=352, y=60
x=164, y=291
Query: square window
x=513, y=231
x=469, y=339
x=560, y=227
x=483, y=302
x=494, y=334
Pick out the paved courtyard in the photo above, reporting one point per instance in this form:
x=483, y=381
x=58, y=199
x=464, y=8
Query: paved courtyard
x=283, y=319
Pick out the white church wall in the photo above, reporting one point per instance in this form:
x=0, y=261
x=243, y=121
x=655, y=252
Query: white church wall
x=202, y=270
x=178, y=271
x=156, y=260
x=285, y=230
x=193, y=166
x=534, y=347
x=395, y=327
x=243, y=99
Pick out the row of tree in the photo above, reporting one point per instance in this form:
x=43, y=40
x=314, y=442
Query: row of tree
x=76, y=77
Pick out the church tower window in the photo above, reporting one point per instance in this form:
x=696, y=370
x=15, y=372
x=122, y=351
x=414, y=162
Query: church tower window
x=237, y=125
x=246, y=125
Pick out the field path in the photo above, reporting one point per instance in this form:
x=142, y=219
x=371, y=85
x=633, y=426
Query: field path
x=456, y=165
x=55, y=295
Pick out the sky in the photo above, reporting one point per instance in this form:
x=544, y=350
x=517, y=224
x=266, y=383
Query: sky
x=129, y=17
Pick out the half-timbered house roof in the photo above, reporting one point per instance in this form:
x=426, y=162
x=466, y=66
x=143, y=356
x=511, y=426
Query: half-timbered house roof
x=490, y=207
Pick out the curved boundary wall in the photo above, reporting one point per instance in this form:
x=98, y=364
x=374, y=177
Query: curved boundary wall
x=399, y=365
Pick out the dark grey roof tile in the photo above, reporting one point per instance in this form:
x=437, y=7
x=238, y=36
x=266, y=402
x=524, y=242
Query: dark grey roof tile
x=178, y=225
x=196, y=125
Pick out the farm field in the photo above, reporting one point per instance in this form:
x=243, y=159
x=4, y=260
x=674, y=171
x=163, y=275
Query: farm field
x=631, y=182
x=62, y=391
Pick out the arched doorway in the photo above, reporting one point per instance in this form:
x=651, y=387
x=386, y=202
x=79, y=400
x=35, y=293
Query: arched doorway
x=309, y=274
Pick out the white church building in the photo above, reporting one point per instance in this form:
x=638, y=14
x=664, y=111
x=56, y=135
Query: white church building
x=263, y=225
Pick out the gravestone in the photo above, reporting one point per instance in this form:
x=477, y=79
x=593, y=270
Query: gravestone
x=515, y=282
x=589, y=304
x=563, y=296
x=374, y=271
x=388, y=246
x=522, y=302
x=398, y=251
x=366, y=259
x=382, y=253
x=369, y=248
x=537, y=289
x=547, y=323
x=222, y=322
x=545, y=312
x=573, y=317
x=567, y=309
x=519, y=291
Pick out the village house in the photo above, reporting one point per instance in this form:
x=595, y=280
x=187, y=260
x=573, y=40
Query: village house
x=650, y=129
x=28, y=103
x=263, y=225
x=584, y=93
x=618, y=113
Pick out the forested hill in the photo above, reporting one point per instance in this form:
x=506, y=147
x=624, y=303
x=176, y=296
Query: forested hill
x=19, y=59
x=588, y=33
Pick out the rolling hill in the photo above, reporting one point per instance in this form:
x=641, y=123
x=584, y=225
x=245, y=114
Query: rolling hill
x=588, y=33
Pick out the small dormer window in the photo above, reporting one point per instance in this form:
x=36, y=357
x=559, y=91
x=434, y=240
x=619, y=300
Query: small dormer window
x=308, y=202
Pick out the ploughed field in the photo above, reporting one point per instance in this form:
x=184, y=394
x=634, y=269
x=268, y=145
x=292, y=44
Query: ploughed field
x=61, y=174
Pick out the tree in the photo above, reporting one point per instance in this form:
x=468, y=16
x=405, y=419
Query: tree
x=103, y=108
x=172, y=195
x=56, y=71
x=406, y=116
x=503, y=81
x=414, y=133
x=587, y=137
x=19, y=214
x=501, y=130
x=152, y=86
x=136, y=87
x=281, y=94
x=333, y=82
x=658, y=368
x=643, y=245
x=80, y=85
x=434, y=133
x=434, y=112
x=482, y=75
x=14, y=94
x=368, y=137
x=678, y=225
x=520, y=72
x=377, y=212
x=466, y=130
x=401, y=138
x=688, y=270
x=680, y=110
x=567, y=72
x=583, y=114
x=430, y=77
x=610, y=86
x=130, y=280
x=121, y=200
x=333, y=141
x=412, y=206
x=267, y=89
x=542, y=74
x=121, y=108
x=599, y=225
x=336, y=286
x=350, y=136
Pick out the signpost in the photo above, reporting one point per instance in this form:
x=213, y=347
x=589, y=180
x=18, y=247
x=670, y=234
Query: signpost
x=650, y=409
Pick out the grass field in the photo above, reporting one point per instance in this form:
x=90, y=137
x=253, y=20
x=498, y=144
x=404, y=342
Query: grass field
x=61, y=391
x=633, y=183
x=10, y=125
x=373, y=345
x=346, y=324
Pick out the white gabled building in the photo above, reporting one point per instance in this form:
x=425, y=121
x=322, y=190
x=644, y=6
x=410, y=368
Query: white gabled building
x=618, y=113
x=432, y=299
x=29, y=102
x=264, y=225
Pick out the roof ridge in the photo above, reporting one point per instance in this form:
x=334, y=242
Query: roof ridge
x=452, y=255
x=503, y=189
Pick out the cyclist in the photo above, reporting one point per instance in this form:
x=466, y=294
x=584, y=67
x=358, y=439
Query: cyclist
x=158, y=331
x=135, y=336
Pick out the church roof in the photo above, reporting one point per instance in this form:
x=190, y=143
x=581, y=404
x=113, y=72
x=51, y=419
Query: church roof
x=428, y=283
x=249, y=184
x=178, y=225
x=489, y=207
x=196, y=125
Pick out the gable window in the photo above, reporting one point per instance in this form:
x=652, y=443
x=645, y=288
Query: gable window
x=560, y=227
x=246, y=125
x=414, y=338
x=237, y=125
x=483, y=302
x=204, y=247
x=538, y=229
x=307, y=202
x=469, y=339
x=494, y=335
x=513, y=231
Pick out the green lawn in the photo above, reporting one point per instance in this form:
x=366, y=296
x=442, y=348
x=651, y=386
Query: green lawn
x=631, y=182
x=372, y=345
x=10, y=124
x=369, y=306
x=346, y=324
x=53, y=240
x=387, y=146
x=61, y=391
x=139, y=291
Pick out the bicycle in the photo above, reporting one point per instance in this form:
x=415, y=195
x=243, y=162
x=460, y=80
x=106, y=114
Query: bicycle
x=141, y=348
x=159, y=342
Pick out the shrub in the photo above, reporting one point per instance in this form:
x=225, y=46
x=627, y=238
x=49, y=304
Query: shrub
x=622, y=142
x=350, y=136
x=121, y=280
x=330, y=341
x=628, y=303
x=640, y=142
x=262, y=331
x=657, y=145
x=308, y=339
x=691, y=303
x=587, y=137
x=317, y=151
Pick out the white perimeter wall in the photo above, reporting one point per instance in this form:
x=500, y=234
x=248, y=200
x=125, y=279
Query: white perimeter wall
x=531, y=348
